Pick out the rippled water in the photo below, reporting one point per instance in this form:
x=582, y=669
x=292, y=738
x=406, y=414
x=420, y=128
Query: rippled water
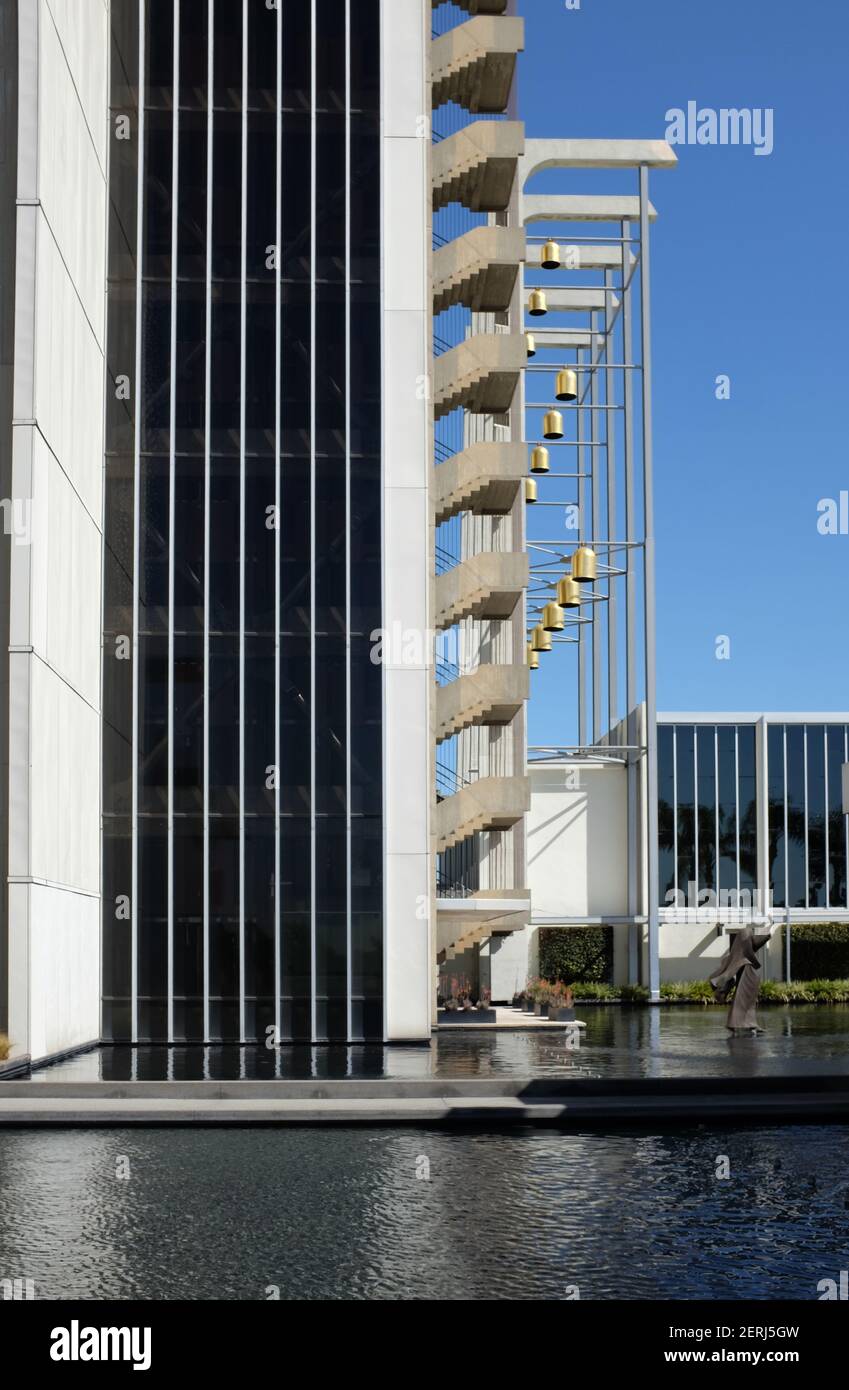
x=670, y=1041
x=342, y=1214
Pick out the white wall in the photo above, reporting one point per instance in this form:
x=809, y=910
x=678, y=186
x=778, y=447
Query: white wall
x=578, y=842
x=407, y=461
x=692, y=951
x=54, y=839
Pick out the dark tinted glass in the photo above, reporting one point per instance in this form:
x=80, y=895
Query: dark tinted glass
x=685, y=755
x=816, y=816
x=707, y=806
x=666, y=814
x=837, y=827
x=777, y=841
x=748, y=793
x=727, y=788
x=796, y=877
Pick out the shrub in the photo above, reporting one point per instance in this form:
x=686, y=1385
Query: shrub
x=600, y=993
x=693, y=991
x=634, y=994
x=820, y=952
x=576, y=955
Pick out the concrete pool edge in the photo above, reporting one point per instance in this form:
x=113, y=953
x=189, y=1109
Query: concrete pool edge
x=482, y=1103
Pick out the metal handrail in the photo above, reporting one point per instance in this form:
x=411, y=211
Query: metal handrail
x=445, y=561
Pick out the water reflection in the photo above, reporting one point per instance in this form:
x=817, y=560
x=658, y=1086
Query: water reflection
x=661, y=1042
x=343, y=1215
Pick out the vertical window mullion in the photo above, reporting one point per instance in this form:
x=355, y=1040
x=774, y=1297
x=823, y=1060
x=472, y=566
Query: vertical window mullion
x=846, y=825
x=207, y=508
x=313, y=245
x=696, y=859
x=348, y=828
x=826, y=818
x=278, y=446
x=242, y=503
x=172, y=493
x=786, y=830
x=137, y=528
x=675, y=806
x=717, y=885
x=737, y=805
x=807, y=846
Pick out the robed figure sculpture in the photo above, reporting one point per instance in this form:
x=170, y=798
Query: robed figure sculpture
x=740, y=965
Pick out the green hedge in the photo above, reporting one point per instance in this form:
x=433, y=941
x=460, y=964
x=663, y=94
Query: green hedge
x=820, y=951
x=576, y=955
x=700, y=992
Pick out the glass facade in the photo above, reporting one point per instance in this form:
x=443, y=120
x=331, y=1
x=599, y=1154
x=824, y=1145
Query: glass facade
x=242, y=796
x=709, y=813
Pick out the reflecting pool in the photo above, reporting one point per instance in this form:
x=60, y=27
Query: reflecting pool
x=666, y=1041
x=406, y=1214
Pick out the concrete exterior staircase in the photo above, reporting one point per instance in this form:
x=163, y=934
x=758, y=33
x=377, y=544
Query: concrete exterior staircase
x=473, y=64
x=480, y=374
x=478, y=270
x=471, y=921
x=483, y=478
x=488, y=585
x=477, y=166
x=490, y=695
x=492, y=803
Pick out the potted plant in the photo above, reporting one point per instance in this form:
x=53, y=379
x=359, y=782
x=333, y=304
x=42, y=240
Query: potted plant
x=561, y=1004
x=541, y=994
x=530, y=1002
x=485, y=1012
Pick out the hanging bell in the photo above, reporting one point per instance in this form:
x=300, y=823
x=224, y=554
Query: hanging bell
x=568, y=593
x=530, y=489
x=541, y=640
x=537, y=304
x=552, y=425
x=530, y=344
x=585, y=565
x=540, y=460
x=552, y=618
x=550, y=259
x=567, y=385
x=533, y=658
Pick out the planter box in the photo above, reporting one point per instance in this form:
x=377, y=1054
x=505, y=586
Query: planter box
x=561, y=1015
x=529, y=1007
x=466, y=1016
x=541, y=1010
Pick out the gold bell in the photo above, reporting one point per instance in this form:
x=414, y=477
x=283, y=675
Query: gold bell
x=552, y=425
x=540, y=460
x=550, y=259
x=537, y=304
x=567, y=385
x=552, y=618
x=533, y=658
x=585, y=565
x=541, y=640
x=530, y=344
x=568, y=593
x=530, y=490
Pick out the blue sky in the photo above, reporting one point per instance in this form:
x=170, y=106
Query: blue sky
x=750, y=265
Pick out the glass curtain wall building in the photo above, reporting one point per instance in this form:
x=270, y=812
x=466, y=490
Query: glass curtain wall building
x=243, y=731
x=752, y=804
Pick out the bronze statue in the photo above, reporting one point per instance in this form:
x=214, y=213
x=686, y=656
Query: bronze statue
x=740, y=965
